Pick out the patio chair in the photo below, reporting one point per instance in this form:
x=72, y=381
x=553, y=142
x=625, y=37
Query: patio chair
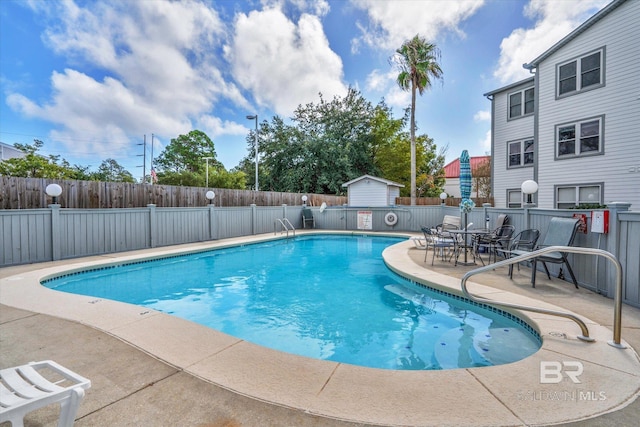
x=307, y=218
x=38, y=384
x=497, y=240
x=438, y=243
x=451, y=221
x=525, y=240
x=419, y=242
x=561, y=232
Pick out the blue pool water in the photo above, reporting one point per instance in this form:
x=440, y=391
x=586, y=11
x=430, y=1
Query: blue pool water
x=327, y=297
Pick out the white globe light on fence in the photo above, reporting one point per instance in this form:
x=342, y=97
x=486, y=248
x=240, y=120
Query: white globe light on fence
x=443, y=197
x=529, y=187
x=210, y=195
x=304, y=200
x=53, y=191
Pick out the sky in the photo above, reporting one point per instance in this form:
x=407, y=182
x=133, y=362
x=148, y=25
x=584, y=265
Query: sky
x=93, y=79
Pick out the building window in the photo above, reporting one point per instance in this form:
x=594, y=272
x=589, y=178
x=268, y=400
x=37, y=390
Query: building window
x=581, y=74
x=520, y=153
x=571, y=196
x=514, y=198
x=521, y=103
x=579, y=138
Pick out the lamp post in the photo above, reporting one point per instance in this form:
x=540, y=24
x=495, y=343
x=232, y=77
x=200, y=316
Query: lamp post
x=257, y=151
x=53, y=190
x=210, y=195
x=304, y=201
x=443, y=197
x=207, y=170
x=529, y=187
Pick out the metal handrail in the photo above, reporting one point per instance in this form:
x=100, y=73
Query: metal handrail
x=617, y=314
x=285, y=223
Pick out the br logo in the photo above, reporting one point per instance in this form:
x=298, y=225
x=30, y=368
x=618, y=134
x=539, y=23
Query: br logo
x=553, y=372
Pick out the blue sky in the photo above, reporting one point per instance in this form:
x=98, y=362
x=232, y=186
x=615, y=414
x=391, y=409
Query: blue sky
x=91, y=78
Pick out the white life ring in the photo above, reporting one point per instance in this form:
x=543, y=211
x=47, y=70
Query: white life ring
x=391, y=218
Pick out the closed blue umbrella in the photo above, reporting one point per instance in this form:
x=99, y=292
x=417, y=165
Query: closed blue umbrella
x=466, y=205
x=465, y=175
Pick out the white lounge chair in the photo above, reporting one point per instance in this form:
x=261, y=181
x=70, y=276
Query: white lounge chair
x=25, y=388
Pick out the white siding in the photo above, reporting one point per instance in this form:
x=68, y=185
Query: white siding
x=368, y=192
x=452, y=187
x=505, y=131
x=8, y=152
x=618, y=101
x=393, y=193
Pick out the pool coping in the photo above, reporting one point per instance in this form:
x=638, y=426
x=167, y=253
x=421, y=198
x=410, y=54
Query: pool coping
x=509, y=394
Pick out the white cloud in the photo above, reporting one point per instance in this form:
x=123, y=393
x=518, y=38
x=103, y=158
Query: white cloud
x=386, y=83
x=554, y=20
x=214, y=127
x=160, y=68
x=482, y=116
x=486, y=142
x=284, y=64
x=393, y=22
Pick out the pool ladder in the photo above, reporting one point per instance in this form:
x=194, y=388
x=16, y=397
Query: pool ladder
x=617, y=313
x=285, y=225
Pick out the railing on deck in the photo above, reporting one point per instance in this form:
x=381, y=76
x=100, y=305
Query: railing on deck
x=617, y=313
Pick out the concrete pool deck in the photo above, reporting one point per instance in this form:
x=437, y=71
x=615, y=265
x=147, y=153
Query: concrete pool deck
x=148, y=368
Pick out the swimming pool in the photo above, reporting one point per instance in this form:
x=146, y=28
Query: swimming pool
x=328, y=297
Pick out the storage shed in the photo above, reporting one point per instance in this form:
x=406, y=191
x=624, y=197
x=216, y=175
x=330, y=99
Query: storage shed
x=369, y=191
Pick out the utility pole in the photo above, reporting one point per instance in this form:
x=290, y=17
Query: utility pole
x=207, y=170
x=255, y=117
x=152, y=168
x=144, y=159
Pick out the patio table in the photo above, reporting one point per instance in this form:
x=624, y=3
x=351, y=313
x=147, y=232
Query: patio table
x=465, y=246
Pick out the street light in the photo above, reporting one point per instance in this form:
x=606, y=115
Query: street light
x=207, y=171
x=53, y=191
x=257, y=151
x=529, y=187
x=210, y=195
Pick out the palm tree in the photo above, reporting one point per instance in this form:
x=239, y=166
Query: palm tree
x=417, y=60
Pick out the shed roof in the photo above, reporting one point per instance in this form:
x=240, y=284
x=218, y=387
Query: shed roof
x=374, y=178
x=452, y=170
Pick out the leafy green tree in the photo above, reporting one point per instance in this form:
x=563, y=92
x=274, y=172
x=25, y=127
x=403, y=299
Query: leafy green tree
x=327, y=144
x=185, y=154
x=34, y=165
x=183, y=178
x=430, y=180
x=392, y=154
x=111, y=171
x=220, y=178
x=81, y=173
x=417, y=61
x=482, y=179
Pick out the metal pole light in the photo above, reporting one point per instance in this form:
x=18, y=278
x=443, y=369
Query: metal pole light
x=257, y=151
x=529, y=187
x=207, y=171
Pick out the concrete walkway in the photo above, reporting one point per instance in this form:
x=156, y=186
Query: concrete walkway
x=135, y=387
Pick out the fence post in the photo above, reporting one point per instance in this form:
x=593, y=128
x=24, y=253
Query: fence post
x=152, y=225
x=55, y=232
x=487, y=220
x=613, y=241
x=344, y=214
x=212, y=227
x=254, y=218
x=284, y=210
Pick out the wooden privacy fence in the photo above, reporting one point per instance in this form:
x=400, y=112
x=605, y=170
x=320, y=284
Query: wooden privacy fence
x=29, y=193
x=449, y=201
